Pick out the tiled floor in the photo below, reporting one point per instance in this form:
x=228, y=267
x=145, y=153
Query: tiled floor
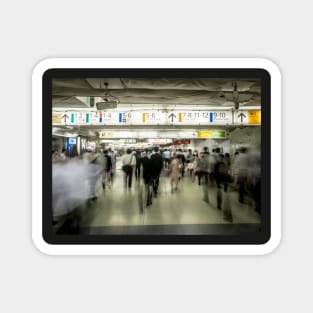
x=117, y=206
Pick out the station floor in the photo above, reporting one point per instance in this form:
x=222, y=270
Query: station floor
x=117, y=206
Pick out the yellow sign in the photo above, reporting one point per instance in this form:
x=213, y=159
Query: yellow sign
x=104, y=134
x=204, y=134
x=214, y=134
x=56, y=118
x=254, y=117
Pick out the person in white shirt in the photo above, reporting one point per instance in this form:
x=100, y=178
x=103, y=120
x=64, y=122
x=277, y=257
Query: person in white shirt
x=128, y=163
x=166, y=155
x=63, y=155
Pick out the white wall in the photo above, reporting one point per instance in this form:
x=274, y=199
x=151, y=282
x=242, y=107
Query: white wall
x=199, y=144
x=248, y=136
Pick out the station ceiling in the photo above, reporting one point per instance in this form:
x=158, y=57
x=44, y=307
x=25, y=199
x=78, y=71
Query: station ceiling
x=160, y=92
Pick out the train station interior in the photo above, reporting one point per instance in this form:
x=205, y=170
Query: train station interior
x=179, y=119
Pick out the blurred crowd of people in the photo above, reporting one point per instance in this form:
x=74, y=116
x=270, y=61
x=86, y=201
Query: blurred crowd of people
x=81, y=178
x=77, y=179
x=212, y=168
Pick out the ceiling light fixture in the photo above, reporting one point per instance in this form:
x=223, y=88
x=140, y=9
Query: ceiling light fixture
x=109, y=101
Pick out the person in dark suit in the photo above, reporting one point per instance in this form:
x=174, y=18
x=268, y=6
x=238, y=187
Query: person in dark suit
x=147, y=167
x=147, y=173
x=157, y=163
x=138, y=165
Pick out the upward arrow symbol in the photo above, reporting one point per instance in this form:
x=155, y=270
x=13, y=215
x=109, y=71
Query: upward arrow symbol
x=172, y=116
x=241, y=115
x=65, y=116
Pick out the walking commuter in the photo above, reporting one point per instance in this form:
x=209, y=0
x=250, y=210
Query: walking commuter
x=56, y=156
x=228, y=160
x=100, y=162
x=174, y=173
x=254, y=177
x=93, y=172
x=221, y=173
x=112, y=154
x=138, y=165
x=212, y=162
x=203, y=168
x=194, y=166
x=63, y=155
x=147, y=174
x=205, y=150
x=107, y=167
x=157, y=162
x=203, y=171
x=189, y=161
x=242, y=164
x=166, y=155
x=182, y=160
x=128, y=163
x=234, y=169
x=222, y=177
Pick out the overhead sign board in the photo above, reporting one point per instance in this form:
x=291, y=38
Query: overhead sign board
x=56, y=118
x=157, y=117
x=200, y=117
x=212, y=134
x=254, y=117
x=247, y=117
x=144, y=134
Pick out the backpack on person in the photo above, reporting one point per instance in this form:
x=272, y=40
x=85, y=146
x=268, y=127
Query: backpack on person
x=221, y=170
x=127, y=168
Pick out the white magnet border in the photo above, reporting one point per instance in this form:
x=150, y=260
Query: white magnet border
x=180, y=249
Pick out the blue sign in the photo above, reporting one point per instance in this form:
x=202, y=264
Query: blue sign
x=72, y=141
x=211, y=117
x=120, y=117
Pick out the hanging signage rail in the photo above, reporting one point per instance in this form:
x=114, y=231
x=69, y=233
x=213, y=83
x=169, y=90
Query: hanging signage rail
x=157, y=117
